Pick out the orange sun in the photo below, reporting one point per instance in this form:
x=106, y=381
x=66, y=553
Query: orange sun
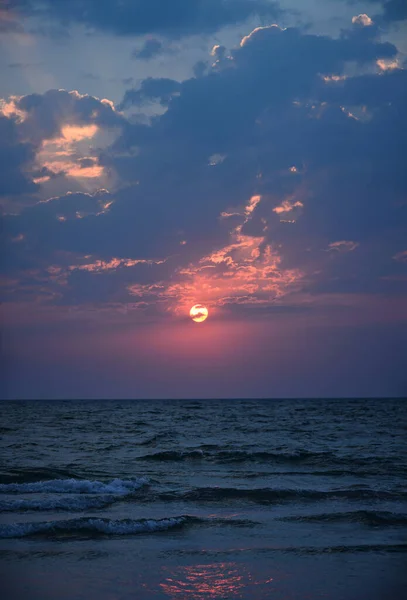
x=198, y=313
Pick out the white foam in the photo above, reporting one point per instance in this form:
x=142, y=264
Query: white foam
x=76, y=486
x=102, y=526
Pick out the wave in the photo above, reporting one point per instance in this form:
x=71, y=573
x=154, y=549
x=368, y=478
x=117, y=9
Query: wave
x=173, y=455
x=214, y=454
x=153, y=439
x=70, y=503
x=29, y=475
x=274, y=496
x=366, y=517
x=303, y=473
x=88, y=526
x=319, y=461
x=75, y=486
x=237, y=456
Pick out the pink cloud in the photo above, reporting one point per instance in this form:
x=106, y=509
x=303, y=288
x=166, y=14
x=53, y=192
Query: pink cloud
x=288, y=205
x=76, y=133
x=245, y=271
x=343, y=246
x=401, y=256
x=364, y=20
x=388, y=65
x=98, y=266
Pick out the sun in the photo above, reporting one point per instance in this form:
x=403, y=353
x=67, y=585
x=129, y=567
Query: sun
x=198, y=313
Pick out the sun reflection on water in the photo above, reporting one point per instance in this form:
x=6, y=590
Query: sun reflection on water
x=207, y=582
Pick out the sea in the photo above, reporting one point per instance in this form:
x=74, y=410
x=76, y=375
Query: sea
x=203, y=500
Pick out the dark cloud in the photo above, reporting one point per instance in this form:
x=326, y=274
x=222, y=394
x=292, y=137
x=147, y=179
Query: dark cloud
x=372, y=91
x=47, y=113
x=9, y=22
x=16, y=156
x=27, y=122
x=395, y=10
x=392, y=10
x=137, y=17
x=43, y=224
x=150, y=49
x=276, y=117
x=90, y=76
x=272, y=67
x=151, y=90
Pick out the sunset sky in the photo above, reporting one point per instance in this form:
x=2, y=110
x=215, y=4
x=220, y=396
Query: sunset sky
x=246, y=155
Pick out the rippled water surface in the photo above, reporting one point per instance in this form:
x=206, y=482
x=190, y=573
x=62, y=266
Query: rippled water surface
x=204, y=500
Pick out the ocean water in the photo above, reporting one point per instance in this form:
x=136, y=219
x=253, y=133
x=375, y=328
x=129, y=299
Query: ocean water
x=204, y=500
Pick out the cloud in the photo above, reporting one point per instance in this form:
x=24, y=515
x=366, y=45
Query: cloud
x=151, y=90
x=395, y=10
x=150, y=49
x=364, y=20
x=265, y=125
x=45, y=115
x=138, y=17
x=99, y=266
x=16, y=156
x=8, y=19
x=401, y=256
x=392, y=11
x=245, y=271
x=342, y=246
x=40, y=135
x=273, y=172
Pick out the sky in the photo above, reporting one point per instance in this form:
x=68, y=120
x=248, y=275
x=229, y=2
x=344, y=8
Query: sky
x=246, y=155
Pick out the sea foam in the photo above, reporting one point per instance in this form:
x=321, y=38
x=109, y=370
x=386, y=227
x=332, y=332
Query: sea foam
x=91, y=526
x=75, y=486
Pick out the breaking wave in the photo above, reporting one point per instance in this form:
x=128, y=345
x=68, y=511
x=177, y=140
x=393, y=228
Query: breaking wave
x=108, y=527
x=90, y=526
x=76, y=486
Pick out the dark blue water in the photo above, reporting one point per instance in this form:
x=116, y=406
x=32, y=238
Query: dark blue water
x=204, y=500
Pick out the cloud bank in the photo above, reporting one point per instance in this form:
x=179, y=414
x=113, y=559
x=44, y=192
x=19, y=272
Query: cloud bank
x=276, y=173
